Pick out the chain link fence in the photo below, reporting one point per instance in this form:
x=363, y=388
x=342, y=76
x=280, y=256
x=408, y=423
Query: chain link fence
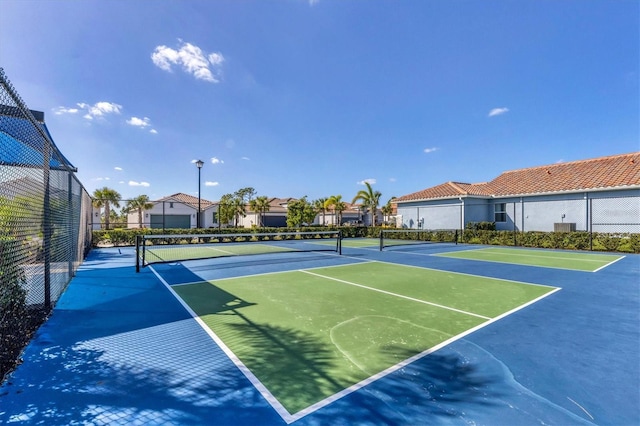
x=595, y=221
x=45, y=214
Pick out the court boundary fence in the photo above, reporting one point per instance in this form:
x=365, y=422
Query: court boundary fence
x=44, y=223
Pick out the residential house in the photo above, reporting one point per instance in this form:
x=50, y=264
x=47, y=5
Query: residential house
x=599, y=195
x=176, y=211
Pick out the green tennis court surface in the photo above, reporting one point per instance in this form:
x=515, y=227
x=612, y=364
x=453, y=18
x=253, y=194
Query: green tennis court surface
x=360, y=242
x=590, y=262
x=308, y=335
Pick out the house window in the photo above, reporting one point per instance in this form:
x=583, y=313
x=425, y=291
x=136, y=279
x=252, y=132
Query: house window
x=170, y=205
x=500, y=212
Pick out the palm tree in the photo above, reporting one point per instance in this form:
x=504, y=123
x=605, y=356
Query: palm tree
x=387, y=209
x=106, y=197
x=238, y=208
x=370, y=199
x=140, y=203
x=338, y=205
x=320, y=205
x=260, y=206
x=225, y=210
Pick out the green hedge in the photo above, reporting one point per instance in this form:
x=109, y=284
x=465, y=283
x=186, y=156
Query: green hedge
x=620, y=242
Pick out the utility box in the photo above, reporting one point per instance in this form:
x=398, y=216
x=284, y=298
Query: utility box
x=564, y=227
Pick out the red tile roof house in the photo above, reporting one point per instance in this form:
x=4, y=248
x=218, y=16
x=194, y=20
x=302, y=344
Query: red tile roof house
x=598, y=195
x=175, y=211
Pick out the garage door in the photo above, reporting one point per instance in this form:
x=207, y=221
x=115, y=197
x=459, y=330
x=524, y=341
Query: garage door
x=274, y=221
x=171, y=221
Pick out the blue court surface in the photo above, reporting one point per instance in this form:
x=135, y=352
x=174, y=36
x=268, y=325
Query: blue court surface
x=121, y=348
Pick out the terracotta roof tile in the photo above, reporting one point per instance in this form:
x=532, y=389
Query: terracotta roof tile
x=188, y=200
x=616, y=171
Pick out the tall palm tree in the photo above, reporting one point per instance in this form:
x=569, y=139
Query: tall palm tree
x=106, y=197
x=370, y=199
x=387, y=209
x=320, y=205
x=139, y=204
x=338, y=205
x=239, y=209
x=260, y=206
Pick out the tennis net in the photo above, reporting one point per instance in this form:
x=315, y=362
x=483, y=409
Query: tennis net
x=152, y=249
x=398, y=237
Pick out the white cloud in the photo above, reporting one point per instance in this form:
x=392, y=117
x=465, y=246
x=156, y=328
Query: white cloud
x=371, y=181
x=154, y=131
x=133, y=183
x=139, y=122
x=430, y=150
x=64, y=110
x=118, y=168
x=498, y=111
x=208, y=183
x=99, y=109
x=392, y=179
x=215, y=160
x=192, y=59
x=245, y=158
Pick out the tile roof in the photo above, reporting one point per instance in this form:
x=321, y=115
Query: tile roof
x=188, y=200
x=615, y=171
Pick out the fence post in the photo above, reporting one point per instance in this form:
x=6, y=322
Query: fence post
x=138, y=238
x=590, y=224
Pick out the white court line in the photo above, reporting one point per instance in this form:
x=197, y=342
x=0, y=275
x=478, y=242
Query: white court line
x=402, y=364
x=610, y=263
x=582, y=408
x=268, y=396
x=220, y=250
x=514, y=252
x=444, y=254
x=271, y=399
x=213, y=280
x=397, y=295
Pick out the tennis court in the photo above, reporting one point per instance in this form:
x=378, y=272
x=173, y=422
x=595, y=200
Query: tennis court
x=342, y=326
x=589, y=262
x=319, y=333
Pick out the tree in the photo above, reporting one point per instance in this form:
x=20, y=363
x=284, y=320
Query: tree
x=300, y=212
x=260, y=206
x=239, y=201
x=139, y=204
x=370, y=199
x=106, y=197
x=320, y=206
x=338, y=205
x=225, y=209
x=387, y=209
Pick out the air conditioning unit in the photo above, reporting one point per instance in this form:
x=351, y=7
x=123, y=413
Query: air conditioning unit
x=564, y=227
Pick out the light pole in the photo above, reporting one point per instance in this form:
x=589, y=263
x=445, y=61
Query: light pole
x=199, y=165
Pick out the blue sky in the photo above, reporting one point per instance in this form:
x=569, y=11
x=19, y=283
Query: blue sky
x=300, y=97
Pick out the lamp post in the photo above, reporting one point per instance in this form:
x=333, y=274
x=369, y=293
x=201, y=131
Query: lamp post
x=199, y=165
